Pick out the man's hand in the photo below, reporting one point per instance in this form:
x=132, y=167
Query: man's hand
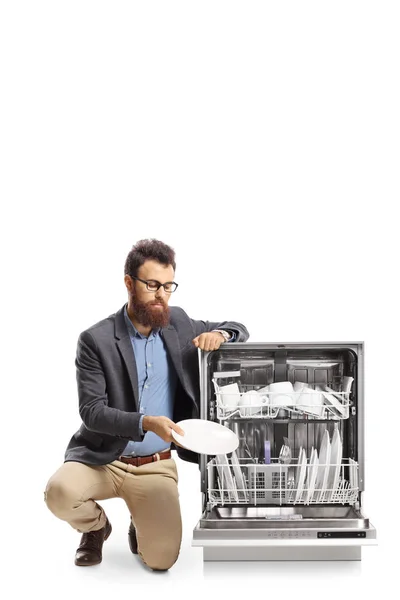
x=161, y=426
x=209, y=341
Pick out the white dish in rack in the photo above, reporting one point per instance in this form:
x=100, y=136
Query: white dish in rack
x=332, y=401
x=302, y=469
x=347, y=382
x=336, y=461
x=229, y=396
x=280, y=393
x=312, y=475
x=240, y=480
x=323, y=467
x=310, y=401
x=225, y=477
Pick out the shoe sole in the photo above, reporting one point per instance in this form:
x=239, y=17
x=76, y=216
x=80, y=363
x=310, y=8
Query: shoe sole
x=91, y=564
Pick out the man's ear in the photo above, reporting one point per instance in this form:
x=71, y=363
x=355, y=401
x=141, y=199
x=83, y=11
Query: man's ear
x=128, y=283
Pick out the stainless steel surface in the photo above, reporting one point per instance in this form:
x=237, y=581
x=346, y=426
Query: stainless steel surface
x=274, y=553
x=256, y=517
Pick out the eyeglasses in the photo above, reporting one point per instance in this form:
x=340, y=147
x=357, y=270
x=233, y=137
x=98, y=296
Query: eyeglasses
x=153, y=286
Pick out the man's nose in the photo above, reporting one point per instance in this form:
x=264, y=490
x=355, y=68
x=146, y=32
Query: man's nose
x=161, y=293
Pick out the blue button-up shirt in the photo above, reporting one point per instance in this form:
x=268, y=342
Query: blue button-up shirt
x=157, y=381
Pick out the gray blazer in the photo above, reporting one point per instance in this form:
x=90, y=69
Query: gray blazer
x=108, y=386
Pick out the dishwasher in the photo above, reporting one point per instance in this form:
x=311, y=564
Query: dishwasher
x=293, y=488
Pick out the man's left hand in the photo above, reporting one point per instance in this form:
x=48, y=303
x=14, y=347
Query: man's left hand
x=208, y=341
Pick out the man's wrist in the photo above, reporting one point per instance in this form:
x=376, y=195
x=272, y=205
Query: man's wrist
x=225, y=334
x=146, y=423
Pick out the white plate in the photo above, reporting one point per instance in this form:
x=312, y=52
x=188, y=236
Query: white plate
x=336, y=461
x=225, y=477
x=206, y=437
x=240, y=480
x=312, y=475
x=299, y=459
x=323, y=467
x=308, y=475
x=302, y=469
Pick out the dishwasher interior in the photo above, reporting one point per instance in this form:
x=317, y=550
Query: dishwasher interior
x=298, y=470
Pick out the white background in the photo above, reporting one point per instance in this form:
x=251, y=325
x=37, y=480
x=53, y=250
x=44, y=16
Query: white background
x=261, y=141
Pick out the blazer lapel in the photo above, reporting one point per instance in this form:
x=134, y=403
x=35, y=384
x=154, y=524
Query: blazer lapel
x=124, y=346
x=126, y=350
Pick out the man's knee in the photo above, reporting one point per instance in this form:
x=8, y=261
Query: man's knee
x=60, y=499
x=160, y=557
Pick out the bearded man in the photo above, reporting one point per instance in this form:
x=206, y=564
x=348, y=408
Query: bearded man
x=137, y=375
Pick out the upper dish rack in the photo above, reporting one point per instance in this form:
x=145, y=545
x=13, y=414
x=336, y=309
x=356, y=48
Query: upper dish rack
x=303, y=401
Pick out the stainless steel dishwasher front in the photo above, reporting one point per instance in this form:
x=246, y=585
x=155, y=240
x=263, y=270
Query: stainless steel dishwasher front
x=257, y=506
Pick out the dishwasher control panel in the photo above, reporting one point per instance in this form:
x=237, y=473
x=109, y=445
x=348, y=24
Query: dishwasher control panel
x=342, y=534
x=289, y=534
x=299, y=534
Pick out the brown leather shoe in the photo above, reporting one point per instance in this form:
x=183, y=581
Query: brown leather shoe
x=132, y=539
x=90, y=549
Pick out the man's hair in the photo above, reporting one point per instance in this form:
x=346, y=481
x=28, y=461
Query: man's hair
x=148, y=250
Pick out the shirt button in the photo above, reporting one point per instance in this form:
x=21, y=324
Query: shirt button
x=149, y=364
x=146, y=386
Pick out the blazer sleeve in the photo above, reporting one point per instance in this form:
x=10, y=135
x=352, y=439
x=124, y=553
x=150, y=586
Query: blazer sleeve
x=93, y=401
x=242, y=335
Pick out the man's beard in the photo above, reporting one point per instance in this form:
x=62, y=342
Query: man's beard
x=150, y=316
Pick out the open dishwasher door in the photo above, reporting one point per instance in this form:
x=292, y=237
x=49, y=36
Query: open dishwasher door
x=293, y=488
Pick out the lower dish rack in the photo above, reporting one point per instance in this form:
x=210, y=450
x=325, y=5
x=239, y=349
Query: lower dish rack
x=251, y=483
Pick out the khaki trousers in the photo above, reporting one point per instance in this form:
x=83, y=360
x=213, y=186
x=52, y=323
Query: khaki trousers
x=150, y=492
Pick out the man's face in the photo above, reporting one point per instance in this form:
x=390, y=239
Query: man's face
x=150, y=308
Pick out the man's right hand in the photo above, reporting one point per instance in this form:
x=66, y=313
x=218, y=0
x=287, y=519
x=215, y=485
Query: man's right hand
x=161, y=426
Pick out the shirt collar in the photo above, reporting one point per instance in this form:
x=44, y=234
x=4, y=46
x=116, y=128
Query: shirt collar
x=133, y=329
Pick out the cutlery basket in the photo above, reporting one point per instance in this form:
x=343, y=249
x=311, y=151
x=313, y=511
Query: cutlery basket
x=267, y=483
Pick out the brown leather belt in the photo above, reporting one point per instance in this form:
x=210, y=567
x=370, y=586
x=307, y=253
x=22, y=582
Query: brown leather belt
x=138, y=461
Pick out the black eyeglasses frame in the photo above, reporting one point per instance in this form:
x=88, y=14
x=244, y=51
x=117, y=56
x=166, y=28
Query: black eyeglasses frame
x=158, y=283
